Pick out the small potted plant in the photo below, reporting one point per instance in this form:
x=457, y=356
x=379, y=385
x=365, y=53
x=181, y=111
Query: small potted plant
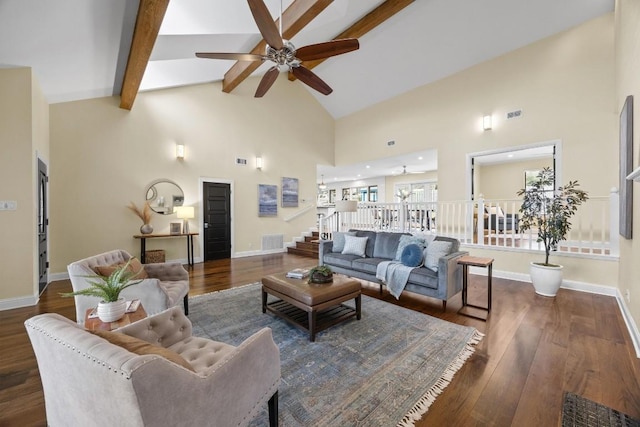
x=320, y=274
x=111, y=306
x=549, y=211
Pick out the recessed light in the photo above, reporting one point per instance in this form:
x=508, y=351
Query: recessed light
x=368, y=166
x=420, y=158
x=509, y=155
x=359, y=175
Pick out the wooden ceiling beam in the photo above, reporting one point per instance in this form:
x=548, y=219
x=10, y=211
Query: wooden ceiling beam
x=367, y=23
x=294, y=19
x=150, y=16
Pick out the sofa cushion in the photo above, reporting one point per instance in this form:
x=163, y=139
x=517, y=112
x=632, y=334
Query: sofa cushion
x=423, y=277
x=355, y=245
x=371, y=235
x=338, y=240
x=386, y=245
x=436, y=250
x=141, y=347
x=367, y=265
x=134, y=266
x=340, y=260
x=412, y=256
x=406, y=240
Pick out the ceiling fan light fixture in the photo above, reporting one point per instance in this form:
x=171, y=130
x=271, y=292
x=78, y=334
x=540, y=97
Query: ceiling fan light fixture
x=283, y=52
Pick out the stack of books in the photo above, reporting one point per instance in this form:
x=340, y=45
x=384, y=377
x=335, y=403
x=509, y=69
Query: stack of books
x=298, y=273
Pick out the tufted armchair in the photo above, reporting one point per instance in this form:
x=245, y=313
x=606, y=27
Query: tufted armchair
x=88, y=380
x=167, y=284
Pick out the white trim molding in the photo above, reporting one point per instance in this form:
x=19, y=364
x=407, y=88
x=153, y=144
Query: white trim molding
x=11, y=303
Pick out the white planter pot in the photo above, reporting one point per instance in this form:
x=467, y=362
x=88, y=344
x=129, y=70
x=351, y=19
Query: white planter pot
x=546, y=279
x=112, y=311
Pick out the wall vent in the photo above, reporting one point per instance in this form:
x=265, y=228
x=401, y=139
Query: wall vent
x=272, y=241
x=514, y=114
x=240, y=161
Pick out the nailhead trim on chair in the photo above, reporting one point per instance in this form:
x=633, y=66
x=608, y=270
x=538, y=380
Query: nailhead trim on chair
x=69, y=346
x=268, y=393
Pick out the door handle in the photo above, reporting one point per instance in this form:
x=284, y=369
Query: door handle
x=206, y=225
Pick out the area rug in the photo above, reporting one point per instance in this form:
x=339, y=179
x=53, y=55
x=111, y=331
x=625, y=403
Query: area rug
x=580, y=412
x=383, y=370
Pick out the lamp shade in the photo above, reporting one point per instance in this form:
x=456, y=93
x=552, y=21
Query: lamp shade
x=346, y=206
x=185, y=212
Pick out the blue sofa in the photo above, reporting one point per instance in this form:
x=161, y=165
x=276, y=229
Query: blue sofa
x=382, y=246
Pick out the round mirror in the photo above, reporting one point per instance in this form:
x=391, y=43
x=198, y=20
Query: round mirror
x=163, y=195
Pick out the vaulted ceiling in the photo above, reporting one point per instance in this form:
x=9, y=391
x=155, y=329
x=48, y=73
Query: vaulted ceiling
x=80, y=49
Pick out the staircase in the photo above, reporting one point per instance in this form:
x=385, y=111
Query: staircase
x=308, y=247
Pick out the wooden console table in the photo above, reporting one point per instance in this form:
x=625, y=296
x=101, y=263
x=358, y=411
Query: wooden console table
x=143, y=244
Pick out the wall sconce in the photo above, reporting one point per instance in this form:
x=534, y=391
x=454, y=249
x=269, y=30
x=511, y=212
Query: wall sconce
x=486, y=122
x=179, y=151
x=259, y=163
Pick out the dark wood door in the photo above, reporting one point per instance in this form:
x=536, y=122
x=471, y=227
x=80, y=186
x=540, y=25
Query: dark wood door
x=43, y=225
x=217, y=220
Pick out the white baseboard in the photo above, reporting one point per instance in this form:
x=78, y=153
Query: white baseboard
x=260, y=252
x=11, y=303
x=631, y=324
x=574, y=285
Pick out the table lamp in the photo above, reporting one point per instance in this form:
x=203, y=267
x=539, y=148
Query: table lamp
x=185, y=213
x=345, y=206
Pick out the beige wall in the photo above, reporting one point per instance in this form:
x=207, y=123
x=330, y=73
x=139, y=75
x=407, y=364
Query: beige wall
x=565, y=86
x=103, y=157
x=23, y=130
x=628, y=83
x=502, y=181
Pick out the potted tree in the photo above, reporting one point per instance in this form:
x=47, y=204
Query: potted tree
x=111, y=306
x=549, y=211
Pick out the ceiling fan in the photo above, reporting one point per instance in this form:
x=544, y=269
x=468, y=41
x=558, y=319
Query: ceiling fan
x=404, y=171
x=283, y=52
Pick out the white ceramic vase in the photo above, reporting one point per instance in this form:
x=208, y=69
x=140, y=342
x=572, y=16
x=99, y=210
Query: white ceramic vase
x=112, y=311
x=546, y=279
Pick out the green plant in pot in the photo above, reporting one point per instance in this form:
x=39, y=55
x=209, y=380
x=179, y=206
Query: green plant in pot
x=108, y=288
x=549, y=211
x=320, y=274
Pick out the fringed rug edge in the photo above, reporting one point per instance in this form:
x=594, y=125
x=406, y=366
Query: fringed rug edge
x=424, y=403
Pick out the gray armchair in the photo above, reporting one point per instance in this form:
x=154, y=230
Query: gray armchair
x=166, y=286
x=89, y=381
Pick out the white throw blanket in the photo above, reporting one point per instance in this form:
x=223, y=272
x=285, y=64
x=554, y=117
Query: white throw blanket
x=394, y=275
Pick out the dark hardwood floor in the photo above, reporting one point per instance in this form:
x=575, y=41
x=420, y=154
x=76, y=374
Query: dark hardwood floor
x=534, y=349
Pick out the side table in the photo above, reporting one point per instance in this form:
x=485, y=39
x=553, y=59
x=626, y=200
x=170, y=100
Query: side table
x=95, y=323
x=473, y=261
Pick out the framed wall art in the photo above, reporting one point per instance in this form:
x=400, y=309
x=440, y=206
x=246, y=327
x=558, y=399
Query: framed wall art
x=289, y=192
x=267, y=200
x=626, y=167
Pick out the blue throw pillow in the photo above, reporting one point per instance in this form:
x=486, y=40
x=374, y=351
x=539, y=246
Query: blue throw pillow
x=406, y=240
x=411, y=256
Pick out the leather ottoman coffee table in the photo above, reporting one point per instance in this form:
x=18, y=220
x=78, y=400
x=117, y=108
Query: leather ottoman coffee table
x=311, y=307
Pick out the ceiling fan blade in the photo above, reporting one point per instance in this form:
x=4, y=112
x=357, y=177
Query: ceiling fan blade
x=231, y=56
x=267, y=81
x=309, y=78
x=265, y=24
x=326, y=49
